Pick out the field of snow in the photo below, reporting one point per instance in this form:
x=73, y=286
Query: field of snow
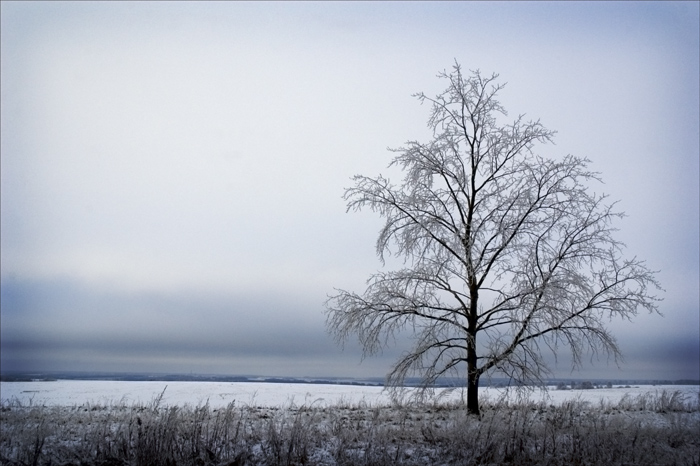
x=220, y=394
x=225, y=423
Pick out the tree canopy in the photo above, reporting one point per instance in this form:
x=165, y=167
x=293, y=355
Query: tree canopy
x=507, y=254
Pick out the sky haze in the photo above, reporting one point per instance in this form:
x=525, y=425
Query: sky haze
x=172, y=173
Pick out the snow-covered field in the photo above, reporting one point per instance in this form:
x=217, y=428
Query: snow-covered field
x=226, y=423
x=220, y=394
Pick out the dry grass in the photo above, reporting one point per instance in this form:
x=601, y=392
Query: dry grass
x=649, y=429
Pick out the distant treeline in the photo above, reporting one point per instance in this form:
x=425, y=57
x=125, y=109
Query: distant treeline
x=142, y=377
x=370, y=381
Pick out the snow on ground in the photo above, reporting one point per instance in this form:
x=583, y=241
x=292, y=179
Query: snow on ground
x=77, y=392
x=81, y=392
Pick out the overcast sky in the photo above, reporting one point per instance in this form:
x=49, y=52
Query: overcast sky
x=172, y=173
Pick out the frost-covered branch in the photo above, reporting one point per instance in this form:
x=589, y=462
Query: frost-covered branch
x=501, y=246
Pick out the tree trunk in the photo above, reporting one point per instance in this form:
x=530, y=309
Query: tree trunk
x=473, y=393
x=472, y=369
x=472, y=377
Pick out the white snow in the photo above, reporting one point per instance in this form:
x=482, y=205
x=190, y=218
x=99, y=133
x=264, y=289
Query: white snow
x=79, y=392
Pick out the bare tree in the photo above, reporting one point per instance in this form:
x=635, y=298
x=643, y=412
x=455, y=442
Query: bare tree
x=498, y=243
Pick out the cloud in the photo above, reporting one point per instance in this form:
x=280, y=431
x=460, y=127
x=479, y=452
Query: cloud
x=69, y=324
x=172, y=173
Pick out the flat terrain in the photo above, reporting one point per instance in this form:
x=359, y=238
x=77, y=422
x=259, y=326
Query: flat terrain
x=199, y=423
x=220, y=394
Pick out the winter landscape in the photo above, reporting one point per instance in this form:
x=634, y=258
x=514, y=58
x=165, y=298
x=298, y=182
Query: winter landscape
x=270, y=233
x=263, y=394
x=235, y=423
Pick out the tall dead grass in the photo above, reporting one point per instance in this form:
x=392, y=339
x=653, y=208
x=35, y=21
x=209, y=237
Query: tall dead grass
x=660, y=428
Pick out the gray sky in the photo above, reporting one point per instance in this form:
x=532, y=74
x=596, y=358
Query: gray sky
x=172, y=173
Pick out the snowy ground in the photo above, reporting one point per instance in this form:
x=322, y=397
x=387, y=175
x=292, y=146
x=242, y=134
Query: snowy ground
x=225, y=423
x=220, y=394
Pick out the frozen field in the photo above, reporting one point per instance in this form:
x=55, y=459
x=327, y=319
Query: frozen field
x=220, y=394
x=229, y=423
